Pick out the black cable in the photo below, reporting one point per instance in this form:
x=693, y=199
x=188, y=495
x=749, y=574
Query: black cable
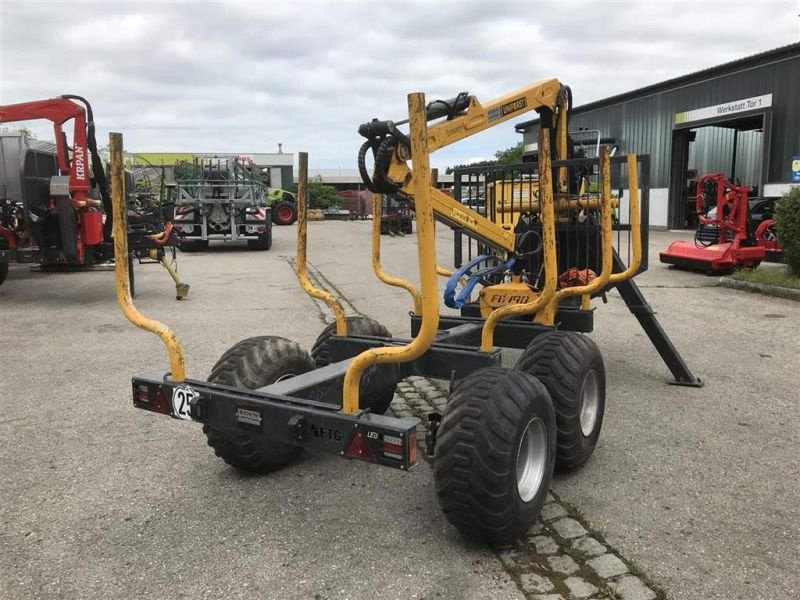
x=98, y=168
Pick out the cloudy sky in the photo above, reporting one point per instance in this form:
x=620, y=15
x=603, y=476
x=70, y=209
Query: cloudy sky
x=243, y=76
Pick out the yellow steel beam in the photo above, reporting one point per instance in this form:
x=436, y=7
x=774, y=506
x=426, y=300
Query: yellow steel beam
x=443, y=272
x=455, y=212
x=548, y=93
x=562, y=205
x=376, y=258
x=548, y=245
x=121, y=255
x=426, y=246
x=544, y=93
x=302, y=245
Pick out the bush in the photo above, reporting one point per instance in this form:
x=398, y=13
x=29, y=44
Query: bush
x=320, y=195
x=787, y=225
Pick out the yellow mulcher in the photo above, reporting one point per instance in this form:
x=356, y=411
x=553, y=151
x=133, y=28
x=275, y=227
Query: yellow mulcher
x=504, y=430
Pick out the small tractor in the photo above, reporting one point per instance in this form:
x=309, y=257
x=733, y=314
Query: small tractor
x=55, y=209
x=725, y=239
x=504, y=430
x=284, y=206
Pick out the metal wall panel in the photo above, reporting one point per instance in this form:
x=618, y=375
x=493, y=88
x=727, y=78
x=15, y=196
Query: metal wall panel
x=645, y=124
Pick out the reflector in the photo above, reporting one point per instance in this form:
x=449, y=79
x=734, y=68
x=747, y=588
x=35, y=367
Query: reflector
x=359, y=447
x=160, y=403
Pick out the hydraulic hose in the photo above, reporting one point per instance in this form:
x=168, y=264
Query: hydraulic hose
x=98, y=169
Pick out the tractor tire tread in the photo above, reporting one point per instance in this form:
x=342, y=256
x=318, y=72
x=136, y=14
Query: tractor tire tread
x=252, y=363
x=357, y=325
x=475, y=446
x=557, y=359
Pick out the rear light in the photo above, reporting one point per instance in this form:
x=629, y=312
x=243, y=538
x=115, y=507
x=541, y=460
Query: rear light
x=150, y=398
x=359, y=447
x=141, y=393
x=384, y=448
x=392, y=447
x=412, y=450
x=261, y=228
x=177, y=228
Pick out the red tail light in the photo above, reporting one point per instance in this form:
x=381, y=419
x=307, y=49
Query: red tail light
x=150, y=398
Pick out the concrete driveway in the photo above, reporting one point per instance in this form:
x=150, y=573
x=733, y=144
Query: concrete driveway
x=697, y=487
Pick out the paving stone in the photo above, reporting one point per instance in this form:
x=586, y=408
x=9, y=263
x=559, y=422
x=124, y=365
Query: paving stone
x=531, y=582
x=552, y=510
x=548, y=597
x=568, y=528
x=589, y=546
x=506, y=556
x=607, y=565
x=631, y=587
x=545, y=544
x=536, y=529
x=563, y=564
x=579, y=587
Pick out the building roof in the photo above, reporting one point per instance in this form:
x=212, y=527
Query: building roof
x=754, y=60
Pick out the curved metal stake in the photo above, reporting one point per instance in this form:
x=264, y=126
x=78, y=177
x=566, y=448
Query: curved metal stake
x=426, y=248
x=120, y=215
x=376, y=257
x=635, y=223
x=302, y=244
x=548, y=244
x=547, y=317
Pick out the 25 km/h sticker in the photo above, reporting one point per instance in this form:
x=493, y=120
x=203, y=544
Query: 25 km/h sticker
x=182, y=397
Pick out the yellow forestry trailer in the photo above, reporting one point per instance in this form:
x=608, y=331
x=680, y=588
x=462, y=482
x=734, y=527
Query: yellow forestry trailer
x=504, y=430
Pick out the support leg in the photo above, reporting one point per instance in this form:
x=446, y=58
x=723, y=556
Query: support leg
x=644, y=313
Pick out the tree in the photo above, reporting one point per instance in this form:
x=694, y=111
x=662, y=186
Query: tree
x=27, y=133
x=509, y=156
x=320, y=195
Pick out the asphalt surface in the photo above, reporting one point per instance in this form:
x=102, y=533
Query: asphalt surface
x=97, y=499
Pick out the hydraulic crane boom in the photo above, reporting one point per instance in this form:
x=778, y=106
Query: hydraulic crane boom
x=465, y=116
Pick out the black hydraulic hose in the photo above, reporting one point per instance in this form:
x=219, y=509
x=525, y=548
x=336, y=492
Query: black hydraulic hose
x=568, y=91
x=383, y=157
x=362, y=164
x=98, y=168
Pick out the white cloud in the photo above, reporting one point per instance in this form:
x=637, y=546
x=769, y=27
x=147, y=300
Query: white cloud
x=243, y=76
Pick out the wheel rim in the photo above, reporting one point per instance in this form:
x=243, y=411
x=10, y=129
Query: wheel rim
x=284, y=213
x=531, y=459
x=590, y=402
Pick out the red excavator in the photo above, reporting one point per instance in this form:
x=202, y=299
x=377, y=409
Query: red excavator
x=55, y=208
x=724, y=240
